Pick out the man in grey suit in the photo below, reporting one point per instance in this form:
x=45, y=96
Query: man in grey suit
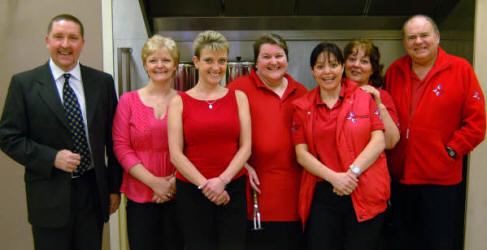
x=57, y=122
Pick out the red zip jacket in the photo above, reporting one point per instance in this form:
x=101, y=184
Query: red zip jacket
x=352, y=135
x=451, y=112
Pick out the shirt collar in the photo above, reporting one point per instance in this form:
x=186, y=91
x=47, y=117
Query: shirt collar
x=340, y=97
x=58, y=72
x=291, y=86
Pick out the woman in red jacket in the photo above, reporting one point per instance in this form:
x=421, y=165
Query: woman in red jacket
x=339, y=141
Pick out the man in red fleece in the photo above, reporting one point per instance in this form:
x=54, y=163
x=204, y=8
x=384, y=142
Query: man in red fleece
x=441, y=112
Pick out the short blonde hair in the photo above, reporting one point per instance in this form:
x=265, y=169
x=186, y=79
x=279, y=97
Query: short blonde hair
x=209, y=39
x=157, y=42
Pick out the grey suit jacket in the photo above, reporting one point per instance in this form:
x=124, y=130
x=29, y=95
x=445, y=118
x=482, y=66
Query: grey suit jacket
x=33, y=128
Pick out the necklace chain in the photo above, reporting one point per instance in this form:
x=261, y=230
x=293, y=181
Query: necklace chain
x=210, y=103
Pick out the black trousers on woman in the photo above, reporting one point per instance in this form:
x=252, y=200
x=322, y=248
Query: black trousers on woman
x=207, y=226
x=152, y=226
x=275, y=235
x=332, y=224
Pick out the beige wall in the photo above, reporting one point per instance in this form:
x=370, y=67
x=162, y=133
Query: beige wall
x=23, y=25
x=476, y=218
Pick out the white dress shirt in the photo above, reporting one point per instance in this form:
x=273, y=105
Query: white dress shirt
x=76, y=84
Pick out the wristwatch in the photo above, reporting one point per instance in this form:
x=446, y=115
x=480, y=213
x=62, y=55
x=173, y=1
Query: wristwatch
x=355, y=170
x=451, y=152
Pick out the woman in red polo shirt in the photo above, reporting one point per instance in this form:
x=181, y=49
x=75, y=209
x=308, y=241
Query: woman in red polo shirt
x=362, y=65
x=270, y=91
x=339, y=141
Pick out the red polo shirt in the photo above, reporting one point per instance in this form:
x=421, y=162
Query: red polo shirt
x=273, y=155
x=417, y=90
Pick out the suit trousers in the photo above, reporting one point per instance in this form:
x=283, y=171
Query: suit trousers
x=333, y=225
x=424, y=217
x=207, y=226
x=85, y=226
x=153, y=226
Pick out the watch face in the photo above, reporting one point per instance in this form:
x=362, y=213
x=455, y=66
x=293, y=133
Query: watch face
x=356, y=170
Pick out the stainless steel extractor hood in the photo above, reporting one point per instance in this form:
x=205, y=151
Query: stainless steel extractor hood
x=288, y=14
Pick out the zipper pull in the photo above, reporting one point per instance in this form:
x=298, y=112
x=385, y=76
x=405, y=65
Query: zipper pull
x=407, y=133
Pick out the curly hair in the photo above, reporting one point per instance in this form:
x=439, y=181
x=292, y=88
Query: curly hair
x=370, y=50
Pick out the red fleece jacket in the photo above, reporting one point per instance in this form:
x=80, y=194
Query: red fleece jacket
x=451, y=112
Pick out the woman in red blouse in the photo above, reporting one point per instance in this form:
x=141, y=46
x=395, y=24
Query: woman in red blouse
x=209, y=140
x=141, y=146
x=339, y=141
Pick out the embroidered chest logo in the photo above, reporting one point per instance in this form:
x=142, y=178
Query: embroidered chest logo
x=351, y=116
x=438, y=90
x=294, y=127
x=476, y=95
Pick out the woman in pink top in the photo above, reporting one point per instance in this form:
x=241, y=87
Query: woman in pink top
x=141, y=146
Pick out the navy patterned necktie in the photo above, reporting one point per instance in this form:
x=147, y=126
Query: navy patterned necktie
x=75, y=121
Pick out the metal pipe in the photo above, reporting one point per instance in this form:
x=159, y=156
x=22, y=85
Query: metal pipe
x=123, y=66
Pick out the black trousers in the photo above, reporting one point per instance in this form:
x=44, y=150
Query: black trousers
x=332, y=224
x=207, y=226
x=282, y=235
x=425, y=217
x=85, y=226
x=152, y=226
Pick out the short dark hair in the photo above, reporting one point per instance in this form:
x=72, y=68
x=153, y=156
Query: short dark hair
x=66, y=17
x=270, y=39
x=370, y=50
x=330, y=49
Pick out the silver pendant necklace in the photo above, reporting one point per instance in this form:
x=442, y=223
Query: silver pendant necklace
x=210, y=103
